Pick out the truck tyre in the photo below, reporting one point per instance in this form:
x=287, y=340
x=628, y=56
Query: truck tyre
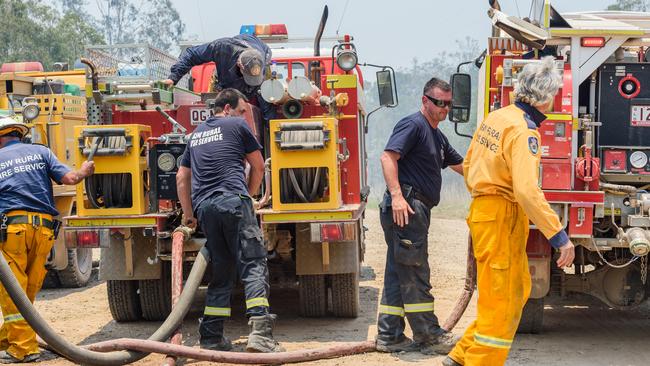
x=345, y=295
x=123, y=300
x=532, y=317
x=156, y=295
x=313, y=295
x=51, y=280
x=80, y=267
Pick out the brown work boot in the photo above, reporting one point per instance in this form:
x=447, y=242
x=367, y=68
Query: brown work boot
x=442, y=344
x=7, y=358
x=261, y=337
x=448, y=361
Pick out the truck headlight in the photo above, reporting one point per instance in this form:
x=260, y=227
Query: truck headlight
x=31, y=110
x=347, y=60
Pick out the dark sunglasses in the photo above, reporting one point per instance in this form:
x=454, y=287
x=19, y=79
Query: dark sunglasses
x=439, y=103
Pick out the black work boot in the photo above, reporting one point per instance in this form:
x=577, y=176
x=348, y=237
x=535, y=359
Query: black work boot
x=401, y=344
x=222, y=344
x=261, y=337
x=7, y=358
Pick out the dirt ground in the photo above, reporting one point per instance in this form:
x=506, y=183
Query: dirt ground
x=583, y=333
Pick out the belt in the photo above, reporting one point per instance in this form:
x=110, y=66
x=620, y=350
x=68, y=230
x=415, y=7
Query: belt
x=31, y=219
x=422, y=198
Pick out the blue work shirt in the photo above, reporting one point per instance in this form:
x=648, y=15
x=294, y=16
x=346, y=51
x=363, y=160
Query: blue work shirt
x=424, y=151
x=224, y=52
x=25, y=173
x=215, y=153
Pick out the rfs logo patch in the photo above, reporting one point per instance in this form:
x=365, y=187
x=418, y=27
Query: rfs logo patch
x=533, y=145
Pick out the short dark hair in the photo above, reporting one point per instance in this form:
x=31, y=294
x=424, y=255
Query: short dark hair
x=229, y=96
x=436, y=83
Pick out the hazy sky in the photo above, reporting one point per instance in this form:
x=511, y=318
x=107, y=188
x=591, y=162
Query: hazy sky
x=385, y=32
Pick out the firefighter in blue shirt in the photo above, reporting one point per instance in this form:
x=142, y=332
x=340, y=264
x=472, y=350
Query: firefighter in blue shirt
x=27, y=227
x=412, y=161
x=216, y=191
x=240, y=64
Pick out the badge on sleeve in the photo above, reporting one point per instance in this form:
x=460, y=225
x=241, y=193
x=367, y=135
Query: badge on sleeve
x=533, y=145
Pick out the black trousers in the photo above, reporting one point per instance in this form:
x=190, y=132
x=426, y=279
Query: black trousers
x=406, y=280
x=237, y=250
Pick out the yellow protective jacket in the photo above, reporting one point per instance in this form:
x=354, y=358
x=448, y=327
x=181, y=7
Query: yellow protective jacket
x=503, y=159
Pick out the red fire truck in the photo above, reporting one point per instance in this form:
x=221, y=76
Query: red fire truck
x=595, y=145
x=315, y=189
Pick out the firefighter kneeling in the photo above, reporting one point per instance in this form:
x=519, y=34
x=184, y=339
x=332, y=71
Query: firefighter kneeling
x=503, y=183
x=28, y=227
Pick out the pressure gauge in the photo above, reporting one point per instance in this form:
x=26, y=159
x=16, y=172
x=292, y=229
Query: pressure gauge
x=166, y=162
x=178, y=161
x=638, y=159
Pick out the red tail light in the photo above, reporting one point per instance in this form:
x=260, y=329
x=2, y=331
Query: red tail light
x=88, y=239
x=331, y=232
x=592, y=41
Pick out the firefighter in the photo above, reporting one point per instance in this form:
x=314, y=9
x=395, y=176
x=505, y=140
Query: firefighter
x=502, y=171
x=412, y=161
x=28, y=228
x=222, y=202
x=240, y=64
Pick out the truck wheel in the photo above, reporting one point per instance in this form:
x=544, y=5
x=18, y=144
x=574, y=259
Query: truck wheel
x=345, y=295
x=156, y=295
x=51, y=280
x=80, y=267
x=532, y=317
x=313, y=295
x=123, y=300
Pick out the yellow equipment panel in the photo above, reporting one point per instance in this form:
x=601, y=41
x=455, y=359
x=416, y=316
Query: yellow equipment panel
x=127, y=156
x=296, y=153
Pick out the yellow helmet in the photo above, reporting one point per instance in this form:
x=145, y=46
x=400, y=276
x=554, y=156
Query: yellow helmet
x=9, y=124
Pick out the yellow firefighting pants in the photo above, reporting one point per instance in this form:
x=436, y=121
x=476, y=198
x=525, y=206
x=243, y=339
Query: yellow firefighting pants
x=26, y=250
x=499, y=230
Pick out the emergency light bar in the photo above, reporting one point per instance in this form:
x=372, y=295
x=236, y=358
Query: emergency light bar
x=265, y=31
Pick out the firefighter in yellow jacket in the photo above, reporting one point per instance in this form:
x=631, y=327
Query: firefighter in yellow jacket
x=501, y=172
x=27, y=227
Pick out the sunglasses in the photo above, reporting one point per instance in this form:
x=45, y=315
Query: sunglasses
x=439, y=103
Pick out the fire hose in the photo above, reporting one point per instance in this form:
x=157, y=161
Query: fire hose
x=94, y=354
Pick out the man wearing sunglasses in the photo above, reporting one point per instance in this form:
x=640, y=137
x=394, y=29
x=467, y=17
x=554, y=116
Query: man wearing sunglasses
x=412, y=161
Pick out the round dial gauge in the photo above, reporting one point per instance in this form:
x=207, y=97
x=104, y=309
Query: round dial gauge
x=178, y=162
x=638, y=159
x=166, y=162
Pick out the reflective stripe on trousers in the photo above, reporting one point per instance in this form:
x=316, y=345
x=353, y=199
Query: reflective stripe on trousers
x=499, y=231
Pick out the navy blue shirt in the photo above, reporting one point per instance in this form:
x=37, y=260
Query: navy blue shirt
x=216, y=153
x=25, y=173
x=224, y=52
x=424, y=152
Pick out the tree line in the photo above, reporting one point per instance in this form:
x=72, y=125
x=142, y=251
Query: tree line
x=57, y=31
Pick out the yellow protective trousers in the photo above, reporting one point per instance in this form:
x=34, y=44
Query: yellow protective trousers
x=25, y=249
x=499, y=230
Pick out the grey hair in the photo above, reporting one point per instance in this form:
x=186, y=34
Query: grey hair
x=538, y=82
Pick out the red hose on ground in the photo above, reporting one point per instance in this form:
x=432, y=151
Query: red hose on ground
x=468, y=290
x=178, y=237
x=234, y=357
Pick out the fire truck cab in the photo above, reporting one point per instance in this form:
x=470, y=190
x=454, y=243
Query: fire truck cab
x=595, y=145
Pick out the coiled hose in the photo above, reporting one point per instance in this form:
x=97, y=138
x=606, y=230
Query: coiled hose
x=303, y=184
x=82, y=355
x=109, y=190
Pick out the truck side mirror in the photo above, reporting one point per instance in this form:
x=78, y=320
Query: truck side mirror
x=461, y=98
x=386, y=88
